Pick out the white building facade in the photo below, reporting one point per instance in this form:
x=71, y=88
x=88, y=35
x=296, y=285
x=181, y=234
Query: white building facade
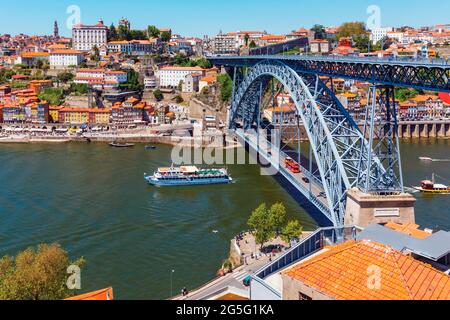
x=170, y=77
x=65, y=58
x=86, y=37
x=101, y=78
x=139, y=47
x=380, y=33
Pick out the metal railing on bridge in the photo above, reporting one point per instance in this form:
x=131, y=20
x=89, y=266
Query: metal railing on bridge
x=336, y=58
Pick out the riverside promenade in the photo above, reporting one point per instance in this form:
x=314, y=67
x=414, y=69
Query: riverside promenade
x=253, y=260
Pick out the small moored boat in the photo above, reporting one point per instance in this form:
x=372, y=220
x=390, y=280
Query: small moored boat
x=428, y=186
x=121, y=145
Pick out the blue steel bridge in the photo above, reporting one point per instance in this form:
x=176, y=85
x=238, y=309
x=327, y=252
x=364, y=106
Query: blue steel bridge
x=341, y=155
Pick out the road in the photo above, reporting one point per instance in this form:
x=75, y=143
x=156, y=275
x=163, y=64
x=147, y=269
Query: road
x=234, y=279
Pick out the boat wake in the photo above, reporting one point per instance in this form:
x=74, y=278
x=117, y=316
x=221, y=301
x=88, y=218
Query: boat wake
x=411, y=190
x=426, y=159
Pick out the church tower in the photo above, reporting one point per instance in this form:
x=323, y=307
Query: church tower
x=56, y=30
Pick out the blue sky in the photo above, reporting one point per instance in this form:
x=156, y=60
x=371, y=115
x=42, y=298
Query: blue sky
x=199, y=17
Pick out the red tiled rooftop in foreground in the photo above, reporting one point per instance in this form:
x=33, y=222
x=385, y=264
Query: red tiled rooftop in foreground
x=409, y=229
x=105, y=294
x=344, y=273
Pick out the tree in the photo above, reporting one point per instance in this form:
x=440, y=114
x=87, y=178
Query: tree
x=38, y=75
x=158, y=95
x=246, y=39
x=36, y=274
x=65, y=77
x=226, y=86
x=133, y=83
x=203, y=63
x=79, y=88
x=252, y=44
x=52, y=95
x=179, y=99
x=352, y=29
x=138, y=35
x=362, y=42
x=260, y=222
x=123, y=33
x=112, y=33
x=166, y=36
x=293, y=230
x=39, y=64
x=404, y=94
x=95, y=56
x=277, y=216
x=181, y=60
x=153, y=32
x=6, y=75
x=319, y=31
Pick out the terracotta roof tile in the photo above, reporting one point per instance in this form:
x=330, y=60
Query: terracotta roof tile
x=343, y=273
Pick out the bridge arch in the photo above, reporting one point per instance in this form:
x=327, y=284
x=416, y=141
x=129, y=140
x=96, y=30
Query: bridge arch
x=339, y=147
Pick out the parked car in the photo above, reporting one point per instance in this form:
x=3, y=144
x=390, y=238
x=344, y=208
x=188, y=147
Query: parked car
x=305, y=180
x=247, y=281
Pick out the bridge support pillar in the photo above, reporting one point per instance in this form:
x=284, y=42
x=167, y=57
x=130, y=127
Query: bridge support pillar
x=416, y=132
x=400, y=131
x=441, y=133
x=365, y=209
x=426, y=131
x=408, y=131
x=433, y=132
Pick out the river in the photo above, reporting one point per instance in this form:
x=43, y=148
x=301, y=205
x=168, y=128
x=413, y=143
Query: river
x=93, y=200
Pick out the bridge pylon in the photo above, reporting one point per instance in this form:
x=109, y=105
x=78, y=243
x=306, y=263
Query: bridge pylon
x=381, y=129
x=348, y=167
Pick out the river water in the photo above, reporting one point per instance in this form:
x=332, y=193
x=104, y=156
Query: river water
x=93, y=200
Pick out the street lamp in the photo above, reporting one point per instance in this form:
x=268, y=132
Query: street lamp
x=171, y=283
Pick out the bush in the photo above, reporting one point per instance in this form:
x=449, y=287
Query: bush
x=79, y=88
x=179, y=99
x=65, y=77
x=52, y=95
x=226, y=86
x=158, y=95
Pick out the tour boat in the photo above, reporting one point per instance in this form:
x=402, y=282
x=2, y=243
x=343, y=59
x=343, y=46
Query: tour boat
x=428, y=186
x=187, y=176
x=121, y=145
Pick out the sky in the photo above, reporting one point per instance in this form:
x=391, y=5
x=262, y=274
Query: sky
x=200, y=17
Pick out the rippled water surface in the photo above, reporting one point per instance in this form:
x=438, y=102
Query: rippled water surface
x=94, y=201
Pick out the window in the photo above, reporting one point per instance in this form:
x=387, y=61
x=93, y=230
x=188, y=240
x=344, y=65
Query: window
x=303, y=297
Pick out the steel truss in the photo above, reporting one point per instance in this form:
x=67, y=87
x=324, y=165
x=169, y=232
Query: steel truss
x=411, y=74
x=382, y=129
x=339, y=147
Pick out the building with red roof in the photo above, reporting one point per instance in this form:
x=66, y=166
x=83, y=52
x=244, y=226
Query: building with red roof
x=364, y=270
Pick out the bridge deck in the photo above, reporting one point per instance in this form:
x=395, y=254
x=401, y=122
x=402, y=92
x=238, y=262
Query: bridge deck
x=432, y=75
x=246, y=60
x=312, y=191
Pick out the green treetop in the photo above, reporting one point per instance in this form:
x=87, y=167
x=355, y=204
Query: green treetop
x=153, y=32
x=36, y=274
x=293, y=230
